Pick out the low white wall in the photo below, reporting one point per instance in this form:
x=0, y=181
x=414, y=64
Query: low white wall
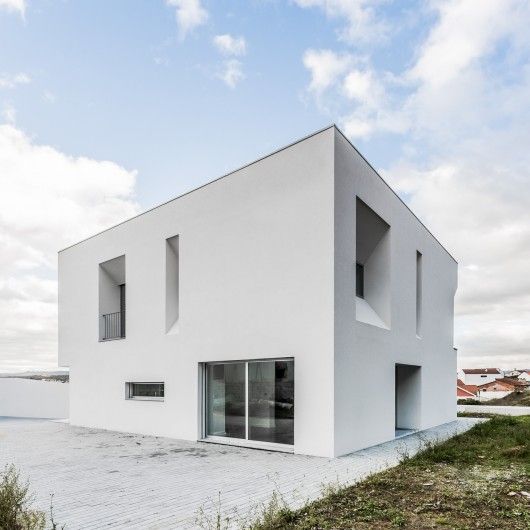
x=28, y=398
x=492, y=409
x=494, y=394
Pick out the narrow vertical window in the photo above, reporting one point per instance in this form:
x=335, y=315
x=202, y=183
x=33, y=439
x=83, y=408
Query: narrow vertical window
x=122, y=310
x=359, y=280
x=172, y=284
x=419, y=301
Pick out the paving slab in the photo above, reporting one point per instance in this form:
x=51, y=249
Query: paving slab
x=103, y=479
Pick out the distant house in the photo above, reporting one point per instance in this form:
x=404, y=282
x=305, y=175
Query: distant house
x=479, y=376
x=464, y=391
x=525, y=375
x=506, y=384
x=500, y=388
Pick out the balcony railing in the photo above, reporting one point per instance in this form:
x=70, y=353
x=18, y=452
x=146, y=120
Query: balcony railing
x=114, y=325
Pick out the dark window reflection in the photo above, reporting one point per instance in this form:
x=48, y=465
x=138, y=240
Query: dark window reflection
x=271, y=401
x=150, y=390
x=226, y=400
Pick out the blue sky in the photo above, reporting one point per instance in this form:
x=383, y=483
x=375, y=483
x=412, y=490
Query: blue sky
x=125, y=87
x=175, y=122
x=110, y=107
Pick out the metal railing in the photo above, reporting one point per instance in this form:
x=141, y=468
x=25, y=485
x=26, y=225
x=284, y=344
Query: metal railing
x=114, y=325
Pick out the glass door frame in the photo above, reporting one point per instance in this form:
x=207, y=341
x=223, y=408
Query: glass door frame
x=226, y=440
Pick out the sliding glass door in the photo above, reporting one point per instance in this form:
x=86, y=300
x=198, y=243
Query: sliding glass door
x=252, y=400
x=271, y=401
x=226, y=403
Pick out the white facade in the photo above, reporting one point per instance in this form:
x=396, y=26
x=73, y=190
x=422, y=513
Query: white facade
x=525, y=375
x=479, y=377
x=261, y=264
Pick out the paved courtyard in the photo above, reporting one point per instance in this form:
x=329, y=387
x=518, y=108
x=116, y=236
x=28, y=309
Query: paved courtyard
x=104, y=479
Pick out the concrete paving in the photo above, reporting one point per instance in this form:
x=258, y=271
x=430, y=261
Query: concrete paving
x=102, y=479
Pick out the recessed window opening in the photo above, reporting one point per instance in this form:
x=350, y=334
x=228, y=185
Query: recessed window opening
x=372, y=257
x=172, y=284
x=112, y=299
x=145, y=391
x=419, y=294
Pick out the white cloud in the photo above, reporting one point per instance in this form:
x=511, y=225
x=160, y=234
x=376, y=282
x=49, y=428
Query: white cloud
x=49, y=96
x=161, y=61
x=362, y=22
x=48, y=200
x=325, y=67
x=228, y=45
x=12, y=81
x=464, y=105
x=9, y=113
x=190, y=14
x=335, y=76
x=477, y=204
x=469, y=111
x=363, y=87
x=463, y=35
x=358, y=126
x=14, y=5
x=232, y=72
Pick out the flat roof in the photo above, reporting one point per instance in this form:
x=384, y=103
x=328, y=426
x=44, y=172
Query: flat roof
x=490, y=371
x=332, y=126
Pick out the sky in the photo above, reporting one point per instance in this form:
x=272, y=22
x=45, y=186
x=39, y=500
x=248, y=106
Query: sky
x=109, y=107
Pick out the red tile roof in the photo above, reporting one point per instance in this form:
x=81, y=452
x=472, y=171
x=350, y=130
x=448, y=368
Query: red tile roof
x=463, y=390
x=507, y=382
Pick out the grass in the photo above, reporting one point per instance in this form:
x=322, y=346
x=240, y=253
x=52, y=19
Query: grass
x=476, y=415
x=519, y=399
x=16, y=511
x=479, y=479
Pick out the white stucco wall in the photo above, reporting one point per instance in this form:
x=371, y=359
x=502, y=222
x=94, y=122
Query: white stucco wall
x=486, y=396
x=365, y=354
x=255, y=281
x=266, y=270
x=29, y=398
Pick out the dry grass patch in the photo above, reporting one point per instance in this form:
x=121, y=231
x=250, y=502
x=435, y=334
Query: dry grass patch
x=479, y=479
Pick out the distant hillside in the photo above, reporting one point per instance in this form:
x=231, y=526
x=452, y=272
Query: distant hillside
x=57, y=375
x=514, y=399
x=520, y=399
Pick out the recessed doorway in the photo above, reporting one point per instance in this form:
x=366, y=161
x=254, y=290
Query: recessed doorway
x=407, y=399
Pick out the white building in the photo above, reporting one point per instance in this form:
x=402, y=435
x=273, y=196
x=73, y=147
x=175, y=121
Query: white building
x=242, y=323
x=525, y=375
x=479, y=376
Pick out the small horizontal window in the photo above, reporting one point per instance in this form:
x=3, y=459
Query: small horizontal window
x=145, y=391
